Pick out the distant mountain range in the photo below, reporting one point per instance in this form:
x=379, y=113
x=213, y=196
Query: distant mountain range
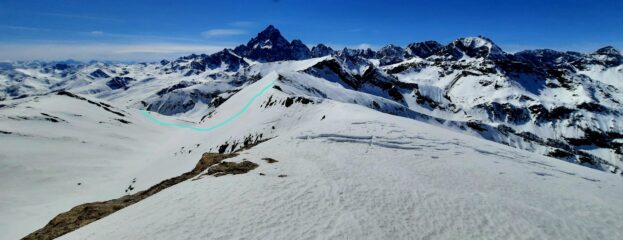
x=565, y=105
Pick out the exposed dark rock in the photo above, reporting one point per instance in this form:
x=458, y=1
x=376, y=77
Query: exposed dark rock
x=561, y=154
x=61, y=66
x=505, y=112
x=291, y=100
x=333, y=71
x=530, y=137
x=224, y=168
x=543, y=115
x=123, y=121
x=227, y=57
x=476, y=47
x=390, y=54
x=321, y=50
x=270, y=160
x=422, y=49
x=269, y=46
x=607, y=56
x=84, y=214
x=99, y=74
x=180, y=85
x=119, y=82
x=476, y=126
x=593, y=107
x=299, y=50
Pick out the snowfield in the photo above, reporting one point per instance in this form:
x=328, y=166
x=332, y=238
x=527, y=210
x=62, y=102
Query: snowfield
x=360, y=174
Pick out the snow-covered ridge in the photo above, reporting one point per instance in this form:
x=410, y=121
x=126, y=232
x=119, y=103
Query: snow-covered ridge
x=561, y=100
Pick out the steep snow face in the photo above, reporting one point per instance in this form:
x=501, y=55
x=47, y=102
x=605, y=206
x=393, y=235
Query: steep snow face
x=436, y=183
x=612, y=76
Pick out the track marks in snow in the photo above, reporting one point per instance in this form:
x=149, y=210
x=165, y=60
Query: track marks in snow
x=370, y=140
x=391, y=136
x=381, y=134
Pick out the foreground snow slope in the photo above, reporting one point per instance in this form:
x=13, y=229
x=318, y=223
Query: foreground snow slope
x=59, y=151
x=351, y=172
x=361, y=174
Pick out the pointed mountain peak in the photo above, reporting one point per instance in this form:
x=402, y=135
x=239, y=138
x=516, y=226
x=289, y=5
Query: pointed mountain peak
x=268, y=38
x=477, y=42
x=297, y=42
x=270, y=30
x=608, y=51
x=390, y=54
x=423, y=49
x=478, y=47
x=608, y=56
x=321, y=50
x=269, y=46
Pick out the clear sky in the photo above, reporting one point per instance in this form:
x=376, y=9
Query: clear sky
x=150, y=30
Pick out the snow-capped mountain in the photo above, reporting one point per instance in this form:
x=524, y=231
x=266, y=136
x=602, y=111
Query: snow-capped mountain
x=444, y=103
x=561, y=104
x=269, y=46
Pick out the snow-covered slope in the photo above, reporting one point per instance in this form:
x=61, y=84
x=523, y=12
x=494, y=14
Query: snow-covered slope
x=61, y=150
x=352, y=172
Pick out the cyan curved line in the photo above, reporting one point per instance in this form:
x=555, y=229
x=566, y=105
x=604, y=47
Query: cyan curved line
x=244, y=109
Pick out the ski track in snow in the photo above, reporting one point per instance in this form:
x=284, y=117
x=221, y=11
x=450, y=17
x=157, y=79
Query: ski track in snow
x=215, y=126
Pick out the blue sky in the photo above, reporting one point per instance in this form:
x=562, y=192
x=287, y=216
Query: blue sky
x=150, y=30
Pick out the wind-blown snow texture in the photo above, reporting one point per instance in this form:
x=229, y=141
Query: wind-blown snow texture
x=73, y=133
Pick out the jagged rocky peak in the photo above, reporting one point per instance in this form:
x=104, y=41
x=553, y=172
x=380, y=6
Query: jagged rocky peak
x=607, y=56
x=355, y=60
x=226, y=58
x=547, y=57
x=321, y=50
x=99, y=74
x=267, y=39
x=390, y=54
x=300, y=50
x=607, y=51
x=269, y=46
x=475, y=47
x=422, y=49
x=356, y=52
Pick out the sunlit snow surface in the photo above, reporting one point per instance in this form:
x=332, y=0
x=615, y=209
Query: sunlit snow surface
x=352, y=172
x=356, y=174
x=360, y=174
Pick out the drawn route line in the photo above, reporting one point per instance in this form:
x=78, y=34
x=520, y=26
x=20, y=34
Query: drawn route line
x=207, y=129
